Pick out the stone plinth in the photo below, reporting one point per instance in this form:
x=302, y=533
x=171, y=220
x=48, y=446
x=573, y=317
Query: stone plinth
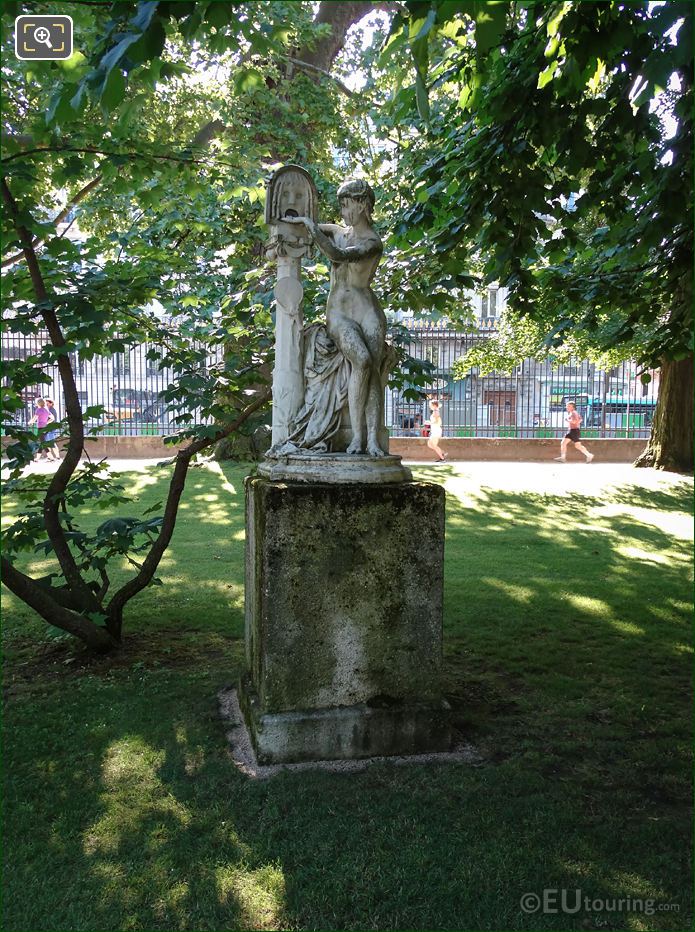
x=343, y=620
x=334, y=468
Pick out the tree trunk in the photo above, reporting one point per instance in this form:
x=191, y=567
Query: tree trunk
x=671, y=442
x=25, y=588
x=339, y=17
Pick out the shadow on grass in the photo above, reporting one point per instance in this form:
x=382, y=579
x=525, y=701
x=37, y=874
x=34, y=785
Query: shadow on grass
x=127, y=814
x=566, y=658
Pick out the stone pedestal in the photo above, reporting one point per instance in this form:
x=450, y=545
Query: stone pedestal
x=343, y=620
x=335, y=468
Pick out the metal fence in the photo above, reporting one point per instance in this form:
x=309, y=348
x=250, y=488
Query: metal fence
x=127, y=385
x=528, y=402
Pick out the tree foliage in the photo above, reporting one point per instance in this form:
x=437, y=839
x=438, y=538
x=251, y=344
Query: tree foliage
x=157, y=134
x=547, y=157
x=522, y=143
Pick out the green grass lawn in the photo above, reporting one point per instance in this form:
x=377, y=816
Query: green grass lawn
x=568, y=660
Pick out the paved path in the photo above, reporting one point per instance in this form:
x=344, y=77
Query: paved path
x=549, y=478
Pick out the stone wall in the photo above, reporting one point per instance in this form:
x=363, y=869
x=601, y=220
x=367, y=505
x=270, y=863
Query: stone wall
x=125, y=448
x=488, y=448
x=410, y=448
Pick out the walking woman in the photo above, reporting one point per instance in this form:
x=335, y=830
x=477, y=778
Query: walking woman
x=436, y=432
x=42, y=417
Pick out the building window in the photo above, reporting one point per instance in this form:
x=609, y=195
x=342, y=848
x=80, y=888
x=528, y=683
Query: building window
x=431, y=354
x=121, y=363
x=489, y=304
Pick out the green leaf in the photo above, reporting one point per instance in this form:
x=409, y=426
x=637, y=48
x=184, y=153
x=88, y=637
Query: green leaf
x=113, y=90
x=421, y=27
x=143, y=17
x=594, y=82
x=150, y=45
x=78, y=100
x=395, y=43
x=547, y=75
x=490, y=20
x=59, y=109
x=554, y=22
x=247, y=80
x=117, y=52
x=423, y=104
x=74, y=66
x=219, y=14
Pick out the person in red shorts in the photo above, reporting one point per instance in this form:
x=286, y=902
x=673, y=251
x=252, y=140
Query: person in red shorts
x=574, y=419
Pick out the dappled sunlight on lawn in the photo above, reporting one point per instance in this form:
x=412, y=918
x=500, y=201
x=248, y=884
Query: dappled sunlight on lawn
x=637, y=553
x=214, y=467
x=201, y=571
x=567, y=660
x=586, y=604
x=629, y=899
x=675, y=524
x=628, y=627
x=260, y=894
x=607, y=481
x=516, y=592
x=135, y=483
x=132, y=793
x=160, y=847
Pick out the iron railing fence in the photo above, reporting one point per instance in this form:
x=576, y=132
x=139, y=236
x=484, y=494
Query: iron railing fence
x=528, y=402
x=127, y=385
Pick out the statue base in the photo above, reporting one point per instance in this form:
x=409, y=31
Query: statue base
x=349, y=733
x=343, y=620
x=333, y=468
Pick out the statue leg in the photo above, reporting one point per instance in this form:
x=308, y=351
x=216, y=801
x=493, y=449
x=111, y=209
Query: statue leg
x=375, y=395
x=350, y=342
x=375, y=399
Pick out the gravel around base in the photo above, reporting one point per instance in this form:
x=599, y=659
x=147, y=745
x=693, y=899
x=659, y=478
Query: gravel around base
x=245, y=761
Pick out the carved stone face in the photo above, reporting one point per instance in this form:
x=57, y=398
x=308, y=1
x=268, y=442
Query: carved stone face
x=291, y=193
x=351, y=209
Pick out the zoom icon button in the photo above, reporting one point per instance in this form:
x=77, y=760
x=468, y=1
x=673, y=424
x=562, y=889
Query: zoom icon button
x=43, y=38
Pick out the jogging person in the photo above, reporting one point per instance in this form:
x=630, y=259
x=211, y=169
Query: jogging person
x=574, y=419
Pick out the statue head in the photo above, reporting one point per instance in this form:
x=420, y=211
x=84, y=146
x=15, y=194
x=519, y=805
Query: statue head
x=357, y=189
x=291, y=192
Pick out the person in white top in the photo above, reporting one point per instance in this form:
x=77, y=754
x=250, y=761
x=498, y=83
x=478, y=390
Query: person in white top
x=435, y=431
x=574, y=419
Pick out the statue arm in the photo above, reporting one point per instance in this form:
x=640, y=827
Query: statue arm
x=321, y=234
x=366, y=250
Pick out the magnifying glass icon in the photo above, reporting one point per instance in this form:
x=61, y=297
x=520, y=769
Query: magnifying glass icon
x=42, y=35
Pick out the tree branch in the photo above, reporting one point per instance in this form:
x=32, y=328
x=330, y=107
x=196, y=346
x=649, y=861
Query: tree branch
x=189, y=160
x=61, y=477
x=178, y=481
x=307, y=66
x=340, y=17
x=29, y=591
x=80, y=196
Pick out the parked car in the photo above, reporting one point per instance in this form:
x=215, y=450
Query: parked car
x=136, y=404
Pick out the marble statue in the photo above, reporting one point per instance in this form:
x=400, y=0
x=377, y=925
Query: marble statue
x=354, y=320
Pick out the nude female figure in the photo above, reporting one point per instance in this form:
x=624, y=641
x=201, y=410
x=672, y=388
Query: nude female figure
x=354, y=319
